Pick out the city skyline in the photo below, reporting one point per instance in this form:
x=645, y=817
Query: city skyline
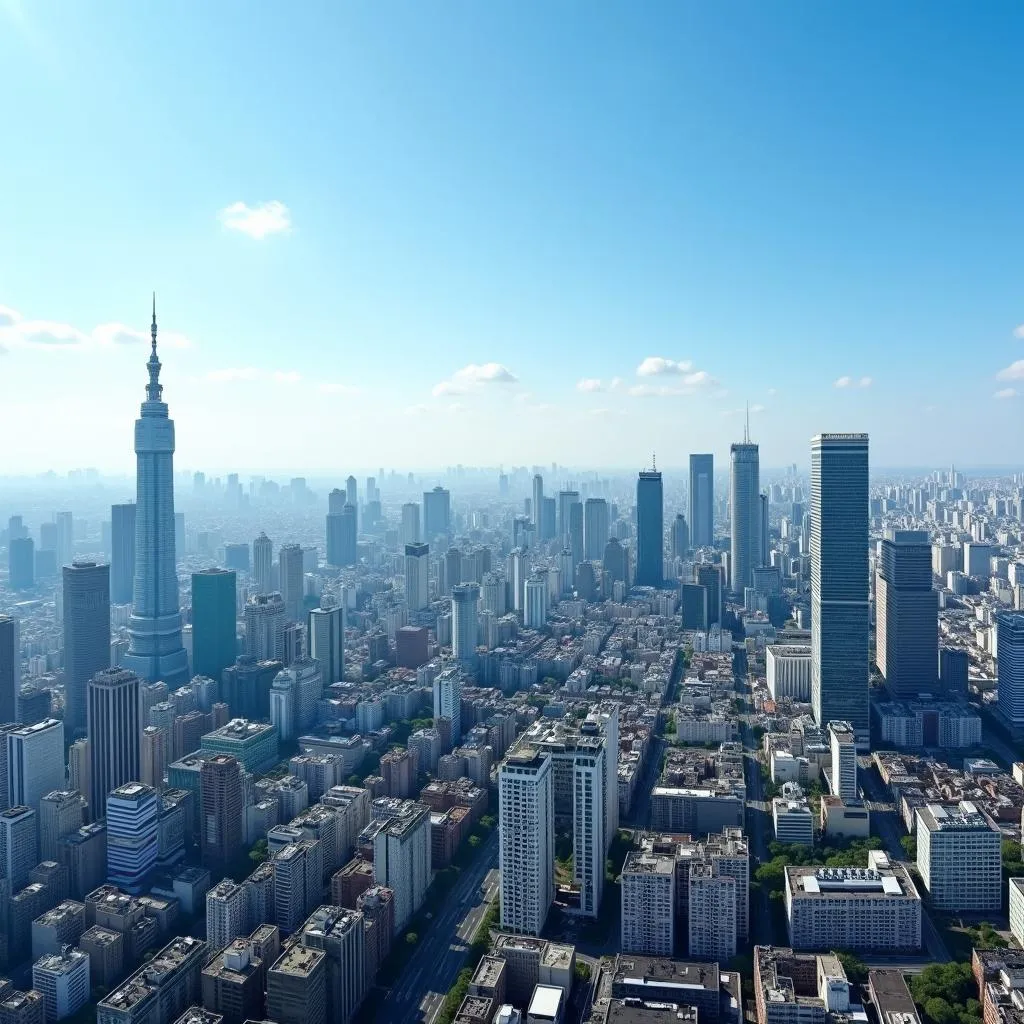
x=780, y=248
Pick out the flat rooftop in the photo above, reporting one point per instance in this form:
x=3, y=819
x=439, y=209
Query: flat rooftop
x=298, y=960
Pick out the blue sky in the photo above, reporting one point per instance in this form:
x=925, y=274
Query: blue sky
x=415, y=234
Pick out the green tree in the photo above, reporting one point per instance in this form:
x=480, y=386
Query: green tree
x=411, y=938
x=940, y=1012
x=259, y=852
x=856, y=969
x=909, y=844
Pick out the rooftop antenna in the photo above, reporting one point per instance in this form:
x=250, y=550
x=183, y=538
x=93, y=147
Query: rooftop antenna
x=654, y=463
x=746, y=429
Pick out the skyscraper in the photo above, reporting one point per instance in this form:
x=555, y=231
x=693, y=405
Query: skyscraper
x=65, y=538
x=214, y=643
x=764, y=545
x=35, y=762
x=650, y=528
x=335, y=501
x=566, y=500
x=154, y=629
x=1010, y=662
x=122, y=553
x=220, y=785
x=437, y=506
x=263, y=563
x=575, y=544
x=342, y=537
x=335, y=537
x=537, y=505
x=86, y=635
x=702, y=501
x=907, y=615
x=839, y=581
x=133, y=835
x=10, y=668
x=327, y=642
x=465, y=608
x=448, y=700
x=114, y=730
x=680, y=536
x=410, y=533
x=264, y=626
x=351, y=491
x=744, y=515
x=417, y=576
x=289, y=561
x=21, y=563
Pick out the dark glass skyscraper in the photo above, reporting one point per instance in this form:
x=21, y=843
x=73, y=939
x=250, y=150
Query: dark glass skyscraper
x=86, y=635
x=437, y=509
x=650, y=530
x=115, y=727
x=702, y=501
x=744, y=515
x=595, y=528
x=213, y=622
x=21, y=563
x=907, y=615
x=122, y=553
x=839, y=581
x=10, y=669
x=156, y=652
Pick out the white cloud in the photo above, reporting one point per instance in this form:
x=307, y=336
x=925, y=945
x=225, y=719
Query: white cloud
x=121, y=334
x=772, y=391
x=257, y=221
x=1018, y=332
x=589, y=384
x=616, y=383
x=17, y=332
x=690, y=384
x=852, y=382
x=1015, y=371
x=1006, y=393
x=334, y=388
x=865, y=382
x=474, y=376
x=8, y=317
x=659, y=366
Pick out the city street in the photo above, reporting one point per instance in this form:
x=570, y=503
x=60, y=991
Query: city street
x=441, y=951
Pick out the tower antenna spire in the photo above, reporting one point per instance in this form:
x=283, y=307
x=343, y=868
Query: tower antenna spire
x=152, y=329
x=654, y=462
x=746, y=428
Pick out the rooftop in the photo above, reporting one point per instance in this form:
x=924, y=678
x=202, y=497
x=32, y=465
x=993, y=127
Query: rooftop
x=298, y=960
x=865, y=882
x=648, y=970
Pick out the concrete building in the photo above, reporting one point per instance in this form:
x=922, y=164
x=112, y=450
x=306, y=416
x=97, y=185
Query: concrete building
x=401, y=857
x=133, y=836
x=115, y=727
x=341, y=935
x=56, y=928
x=648, y=904
x=19, y=845
x=63, y=980
x=526, y=838
x=222, y=805
x=791, y=816
x=843, y=778
x=873, y=908
x=227, y=913
x=86, y=605
x=297, y=987
x=232, y=983
x=800, y=988
x=1017, y=909
x=326, y=633
x=447, y=690
x=265, y=621
x=417, y=576
x=959, y=857
x=35, y=762
x=106, y=955
x=839, y=581
x=788, y=669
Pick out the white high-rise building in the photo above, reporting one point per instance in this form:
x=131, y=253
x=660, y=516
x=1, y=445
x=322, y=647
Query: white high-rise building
x=518, y=568
x=156, y=651
x=410, y=523
x=401, y=858
x=227, y=914
x=648, y=904
x=844, y=760
x=63, y=981
x=588, y=835
x=263, y=564
x=536, y=613
x=448, y=700
x=417, y=576
x=526, y=839
x=19, y=844
x=465, y=609
x=959, y=857
x=35, y=762
x=712, y=913
x=265, y=620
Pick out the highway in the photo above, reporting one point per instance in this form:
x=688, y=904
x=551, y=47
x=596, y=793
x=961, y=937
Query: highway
x=441, y=951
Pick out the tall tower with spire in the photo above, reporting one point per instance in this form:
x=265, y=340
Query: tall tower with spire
x=156, y=652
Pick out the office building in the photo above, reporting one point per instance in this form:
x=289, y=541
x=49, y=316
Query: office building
x=788, y=669
x=710, y=577
x=839, y=581
x=959, y=857
x=693, y=601
x=236, y=557
x=417, y=576
x=265, y=622
x=647, y=888
x=21, y=563
x=1010, y=665
x=402, y=857
x=680, y=536
x=133, y=836
x=791, y=816
x=65, y=537
x=233, y=983
x=448, y=700
x=60, y=926
x=19, y=845
x=115, y=727
x=253, y=744
x=436, y=513
x=227, y=913
x=326, y=631
x=410, y=531
x=122, y=553
x=843, y=778
x=161, y=990
x=805, y=988
x=535, y=612
x=297, y=878
x=214, y=633
x=155, y=649
x=526, y=849
x=220, y=785
x=595, y=528
x=465, y=609
x=61, y=812
x=297, y=987
x=63, y=981
x=154, y=746
x=86, y=636
x=291, y=576
x=263, y=564
x=10, y=668
x=35, y=762
x=744, y=515
x=84, y=854
x=650, y=530
x=701, y=507
x=876, y=908
x=341, y=935
x=342, y=537
x=906, y=615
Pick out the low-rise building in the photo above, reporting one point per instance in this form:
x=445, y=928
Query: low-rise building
x=63, y=979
